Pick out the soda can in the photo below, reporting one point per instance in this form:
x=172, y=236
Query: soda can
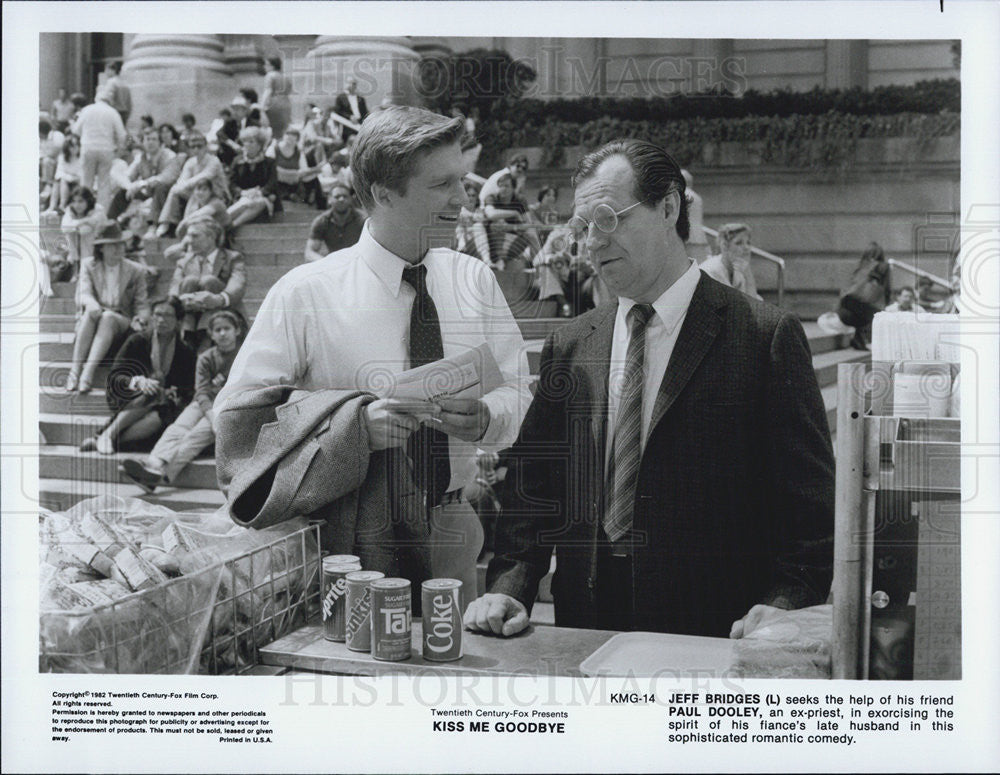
x=442, y=618
x=391, y=619
x=334, y=597
x=358, y=627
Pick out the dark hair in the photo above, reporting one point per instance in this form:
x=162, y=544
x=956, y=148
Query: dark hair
x=873, y=252
x=516, y=157
x=78, y=99
x=275, y=62
x=656, y=173
x=226, y=113
x=70, y=138
x=545, y=190
x=147, y=121
x=341, y=184
x=728, y=231
x=250, y=95
x=86, y=194
x=115, y=67
x=172, y=301
x=234, y=317
x=174, y=134
x=44, y=126
x=389, y=144
x=188, y=118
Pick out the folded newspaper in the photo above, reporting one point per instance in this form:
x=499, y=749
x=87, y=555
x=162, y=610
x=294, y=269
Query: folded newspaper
x=472, y=374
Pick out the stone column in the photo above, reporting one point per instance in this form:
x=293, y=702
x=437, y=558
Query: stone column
x=712, y=65
x=245, y=60
x=383, y=67
x=174, y=74
x=62, y=55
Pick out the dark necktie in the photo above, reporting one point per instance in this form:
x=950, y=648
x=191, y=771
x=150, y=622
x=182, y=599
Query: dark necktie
x=427, y=447
x=628, y=428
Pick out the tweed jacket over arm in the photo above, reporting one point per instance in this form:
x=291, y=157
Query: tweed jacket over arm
x=282, y=453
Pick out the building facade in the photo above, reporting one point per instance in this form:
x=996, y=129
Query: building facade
x=171, y=74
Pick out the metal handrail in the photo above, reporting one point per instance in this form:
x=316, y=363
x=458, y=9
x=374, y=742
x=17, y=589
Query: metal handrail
x=920, y=273
x=755, y=251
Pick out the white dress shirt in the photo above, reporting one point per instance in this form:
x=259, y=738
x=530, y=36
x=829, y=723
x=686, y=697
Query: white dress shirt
x=352, y=100
x=670, y=309
x=343, y=322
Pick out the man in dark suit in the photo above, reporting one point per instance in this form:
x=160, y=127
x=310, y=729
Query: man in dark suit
x=351, y=106
x=676, y=455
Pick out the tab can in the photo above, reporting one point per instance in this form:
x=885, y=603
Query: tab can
x=442, y=617
x=391, y=619
x=358, y=627
x=334, y=597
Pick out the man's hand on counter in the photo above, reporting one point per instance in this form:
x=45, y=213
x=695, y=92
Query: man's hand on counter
x=755, y=618
x=496, y=613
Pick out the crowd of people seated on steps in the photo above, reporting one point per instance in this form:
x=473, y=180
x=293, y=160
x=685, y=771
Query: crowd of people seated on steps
x=252, y=153
x=172, y=356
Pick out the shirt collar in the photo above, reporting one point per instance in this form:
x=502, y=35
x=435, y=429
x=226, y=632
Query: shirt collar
x=386, y=265
x=672, y=304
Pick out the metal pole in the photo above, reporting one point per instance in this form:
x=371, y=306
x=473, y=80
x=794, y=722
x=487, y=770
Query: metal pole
x=849, y=602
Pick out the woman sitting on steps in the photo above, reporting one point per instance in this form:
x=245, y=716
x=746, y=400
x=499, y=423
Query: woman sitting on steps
x=151, y=380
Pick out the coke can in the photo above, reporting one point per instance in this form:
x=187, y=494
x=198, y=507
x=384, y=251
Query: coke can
x=358, y=627
x=334, y=594
x=442, y=617
x=391, y=619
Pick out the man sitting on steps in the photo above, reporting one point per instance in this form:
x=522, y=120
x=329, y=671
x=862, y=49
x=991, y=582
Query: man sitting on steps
x=338, y=228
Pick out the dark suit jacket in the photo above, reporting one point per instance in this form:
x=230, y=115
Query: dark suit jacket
x=343, y=107
x=735, y=489
x=134, y=358
x=229, y=266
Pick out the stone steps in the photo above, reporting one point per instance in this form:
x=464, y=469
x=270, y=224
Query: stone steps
x=63, y=461
x=54, y=400
x=61, y=494
x=826, y=364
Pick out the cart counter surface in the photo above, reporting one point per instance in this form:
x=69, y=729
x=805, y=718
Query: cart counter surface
x=540, y=650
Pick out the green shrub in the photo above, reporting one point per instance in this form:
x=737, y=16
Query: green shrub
x=924, y=97
x=817, y=128
x=827, y=140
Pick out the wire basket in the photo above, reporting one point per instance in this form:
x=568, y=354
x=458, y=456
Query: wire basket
x=212, y=620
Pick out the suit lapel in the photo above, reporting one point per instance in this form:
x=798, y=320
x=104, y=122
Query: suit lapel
x=701, y=326
x=99, y=280
x=217, y=262
x=594, y=356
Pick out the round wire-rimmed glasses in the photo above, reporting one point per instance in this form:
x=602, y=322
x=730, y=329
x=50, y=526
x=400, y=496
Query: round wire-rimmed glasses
x=605, y=219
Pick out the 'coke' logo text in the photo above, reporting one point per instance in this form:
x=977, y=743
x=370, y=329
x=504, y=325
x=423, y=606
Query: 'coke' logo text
x=442, y=634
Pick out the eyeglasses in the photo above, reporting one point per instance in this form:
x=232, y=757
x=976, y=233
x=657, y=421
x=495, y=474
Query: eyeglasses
x=605, y=219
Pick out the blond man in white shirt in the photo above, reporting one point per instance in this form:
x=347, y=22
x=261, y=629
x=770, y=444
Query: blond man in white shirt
x=344, y=321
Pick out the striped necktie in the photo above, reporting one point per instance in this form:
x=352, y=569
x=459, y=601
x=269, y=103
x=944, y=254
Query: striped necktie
x=427, y=447
x=628, y=427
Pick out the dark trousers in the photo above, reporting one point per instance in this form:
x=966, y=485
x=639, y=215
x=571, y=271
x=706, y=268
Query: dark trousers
x=857, y=314
x=615, y=601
